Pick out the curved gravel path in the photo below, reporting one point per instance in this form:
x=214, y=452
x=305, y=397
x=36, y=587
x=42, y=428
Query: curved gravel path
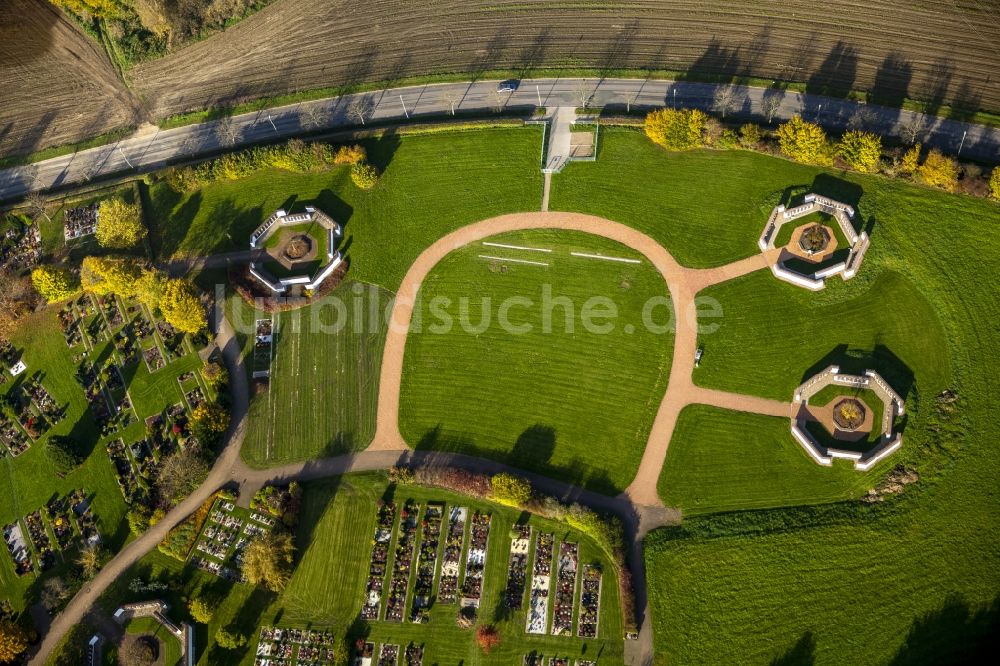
x=639, y=506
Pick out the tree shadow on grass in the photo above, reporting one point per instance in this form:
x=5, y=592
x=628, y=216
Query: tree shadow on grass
x=170, y=224
x=803, y=653
x=956, y=633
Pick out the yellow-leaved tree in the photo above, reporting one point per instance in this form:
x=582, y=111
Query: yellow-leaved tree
x=803, y=141
x=995, y=183
x=150, y=287
x=267, y=560
x=13, y=641
x=939, y=170
x=54, y=283
x=861, y=150
x=96, y=8
x=211, y=416
x=119, y=224
x=911, y=160
x=107, y=275
x=676, y=129
x=182, y=307
x=509, y=489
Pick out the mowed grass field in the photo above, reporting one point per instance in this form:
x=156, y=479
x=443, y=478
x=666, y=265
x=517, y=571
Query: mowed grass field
x=327, y=587
x=323, y=390
x=551, y=392
x=430, y=185
x=910, y=580
x=720, y=460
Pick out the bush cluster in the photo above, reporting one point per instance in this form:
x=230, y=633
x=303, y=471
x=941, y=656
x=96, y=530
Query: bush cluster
x=295, y=156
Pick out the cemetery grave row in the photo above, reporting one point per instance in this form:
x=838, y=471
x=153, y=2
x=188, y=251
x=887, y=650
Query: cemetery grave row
x=427, y=562
x=539, y=660
x=20, y=246
x=262, y=348
x=224, y=536
x=80, y=221
x=294, y=647
x=36, y=541
x=388, y=654
x=27, y=413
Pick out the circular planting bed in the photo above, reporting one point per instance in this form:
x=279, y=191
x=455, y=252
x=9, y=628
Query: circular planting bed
x=815, y=239
x=849, y=414
x=298, y=247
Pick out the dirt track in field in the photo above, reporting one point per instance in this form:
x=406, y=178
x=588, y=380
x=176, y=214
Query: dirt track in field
x=940, y=50
x=56, y=83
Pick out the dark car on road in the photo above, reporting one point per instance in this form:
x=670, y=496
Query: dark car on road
x=508, y=86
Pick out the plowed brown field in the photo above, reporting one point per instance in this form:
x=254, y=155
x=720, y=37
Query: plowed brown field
x=56, y=84
x=933, y=49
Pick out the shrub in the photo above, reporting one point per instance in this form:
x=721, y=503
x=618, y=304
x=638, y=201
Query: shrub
x=401, y=475
x=803, y=141
x=119, y=224
x=911, y=160
x=229, y=640
x=861, y=150
x=459, y=480
x=13, y=641
x=487, y=637
x=54, y=283
x=509, y=489
x=201, y=610
x=749, y=136
x=350, y=155
x=939, y=170
x=215, y=374
x=728, y=139
x=676, y=129
x=364, y=175
x=995, y=183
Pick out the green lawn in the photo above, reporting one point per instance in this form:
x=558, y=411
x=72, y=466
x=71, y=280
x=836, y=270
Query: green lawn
x=566, y=401
x=431, y=185
x=327, y=586
x=907, y=579
x=720, y=460
x=323, y=390
x=170, y=645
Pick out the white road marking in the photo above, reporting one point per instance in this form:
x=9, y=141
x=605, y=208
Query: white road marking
x=601, y=256
x=517, y=247
x=513, y=261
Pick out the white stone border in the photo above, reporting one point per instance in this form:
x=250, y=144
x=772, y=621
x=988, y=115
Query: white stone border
x=843, y=214
x=892, y=408
x=281, y=218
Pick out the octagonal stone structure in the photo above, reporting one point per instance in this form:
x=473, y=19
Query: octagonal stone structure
x=814, y=203
x=892, y=407
x=308, y=280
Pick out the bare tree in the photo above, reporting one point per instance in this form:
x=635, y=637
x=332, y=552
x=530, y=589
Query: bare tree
x=188, y=145
x=770, y=102
x=629, y=98
x=863, y=118
x=582, y=94
x=359, y=109
x=227, y=131
x=725, y=99
x=497, y=100
x=314, y=116
x=37, y=206
x=913, y=129
x=451, y=98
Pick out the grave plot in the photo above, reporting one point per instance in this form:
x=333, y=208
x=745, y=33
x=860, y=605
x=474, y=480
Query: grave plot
x=585, y=662
x=42, y=401
x=294, y=646
x=17, y=546
x=517, y=566
x=562, y=610
x=167, y=431
x=112, y=411
x=40, y=541
x=534, y=660
x=538, y=605
x=402, y=562
x=388, y=655
x=58, y=514
x=71, y=326
x=112, y=311
x=12, y=437
x=451, y=563
x=20, y=245
x=262, y=352
x=80, y=222
x=427, y=561
x=557, y=661
x=86, y=521
x=173, y=341
x=414, y=655
x=30, y=416
x=128, y=480
x=475, y=561
x=364, y=652
x=95, y=328
x=385, y=516
x=224, y=536
x=590, y=602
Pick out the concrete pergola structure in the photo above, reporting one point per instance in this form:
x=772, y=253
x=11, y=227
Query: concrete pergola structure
x=815, y=203
x=276, y=221
x=892, y=407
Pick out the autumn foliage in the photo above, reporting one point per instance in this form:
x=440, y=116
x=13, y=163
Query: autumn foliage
x=487, y=637
x=676, y=129
x=803, y=141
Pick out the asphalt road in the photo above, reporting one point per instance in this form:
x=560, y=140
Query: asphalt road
x=152, y=149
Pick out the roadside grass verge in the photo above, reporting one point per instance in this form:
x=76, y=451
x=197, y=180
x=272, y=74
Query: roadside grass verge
x=545, y=393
